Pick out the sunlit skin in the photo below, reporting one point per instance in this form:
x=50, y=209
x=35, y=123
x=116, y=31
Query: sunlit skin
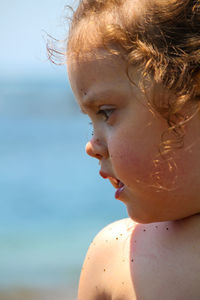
x=126, y=141
x=128, y=260
x=154, y=254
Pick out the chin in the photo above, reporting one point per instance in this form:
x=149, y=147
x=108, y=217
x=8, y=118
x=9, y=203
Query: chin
x=142, y=217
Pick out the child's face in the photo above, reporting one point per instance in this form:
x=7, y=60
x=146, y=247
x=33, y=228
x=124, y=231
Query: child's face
x=126, y=141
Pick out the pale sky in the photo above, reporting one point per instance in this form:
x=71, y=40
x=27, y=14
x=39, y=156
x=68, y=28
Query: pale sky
x=23, y=50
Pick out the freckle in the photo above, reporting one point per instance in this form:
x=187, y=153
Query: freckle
x=104, y=270
x=106, y=241
x=122, y=282
x=144, y=230
x=84, y=92
x=135, y=241
x=88, y=258
x=156, y=226
x=123, y=260
x=121, y=234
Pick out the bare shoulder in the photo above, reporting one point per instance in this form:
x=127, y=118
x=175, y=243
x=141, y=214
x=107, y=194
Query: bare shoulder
x=130, y=261
x=121, y=228
x=106, y=265
x=167, y=260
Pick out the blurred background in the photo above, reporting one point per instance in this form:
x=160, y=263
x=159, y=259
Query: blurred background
x=52, y=201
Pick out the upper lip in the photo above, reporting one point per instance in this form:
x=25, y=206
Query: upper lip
x=114, y=181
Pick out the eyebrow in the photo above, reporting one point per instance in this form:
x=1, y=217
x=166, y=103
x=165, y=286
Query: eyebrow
x=95, y=98
x=91, y=102
x=88, y=103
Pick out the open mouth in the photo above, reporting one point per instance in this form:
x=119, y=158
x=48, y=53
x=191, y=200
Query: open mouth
x=118, y=185
x=114, y=181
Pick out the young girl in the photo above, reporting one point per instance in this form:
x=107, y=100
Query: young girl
x=134, y=67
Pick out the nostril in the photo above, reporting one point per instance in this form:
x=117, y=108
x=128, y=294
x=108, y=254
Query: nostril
x=99, y=156
x=91, y=151
x=96, y=149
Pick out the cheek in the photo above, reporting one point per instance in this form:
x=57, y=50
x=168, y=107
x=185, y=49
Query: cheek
x=136, y=163
x=131, y=162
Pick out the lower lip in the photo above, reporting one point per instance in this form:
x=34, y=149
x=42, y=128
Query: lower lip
x=118, y=192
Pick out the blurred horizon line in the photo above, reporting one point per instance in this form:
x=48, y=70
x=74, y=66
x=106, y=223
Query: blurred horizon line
x=35, y=77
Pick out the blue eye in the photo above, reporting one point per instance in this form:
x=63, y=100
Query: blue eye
x=105, y=113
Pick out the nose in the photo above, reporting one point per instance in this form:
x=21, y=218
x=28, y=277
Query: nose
x=96, y=149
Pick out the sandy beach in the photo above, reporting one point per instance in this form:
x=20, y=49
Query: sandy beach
x=33, y=294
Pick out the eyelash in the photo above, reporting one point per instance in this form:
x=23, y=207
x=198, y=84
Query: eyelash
x=105, y=113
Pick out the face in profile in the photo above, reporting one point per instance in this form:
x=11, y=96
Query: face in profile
x=126, y=142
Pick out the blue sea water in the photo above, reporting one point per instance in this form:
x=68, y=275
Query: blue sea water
x=52, y=201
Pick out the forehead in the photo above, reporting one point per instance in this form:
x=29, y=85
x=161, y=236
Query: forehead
x=91, y=63
x=96, y=62
x=96, y=76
